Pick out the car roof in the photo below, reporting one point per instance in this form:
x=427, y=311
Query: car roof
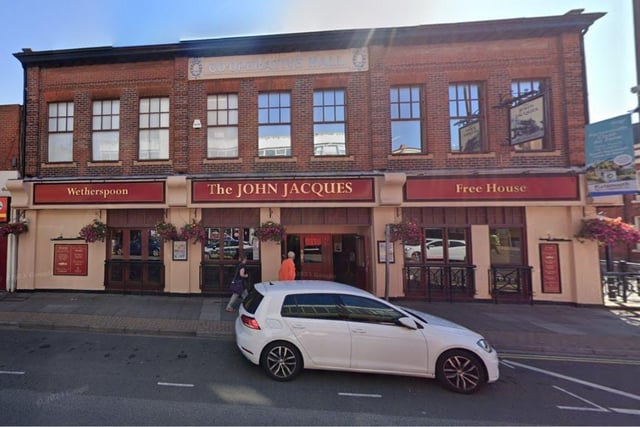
x=274, y=287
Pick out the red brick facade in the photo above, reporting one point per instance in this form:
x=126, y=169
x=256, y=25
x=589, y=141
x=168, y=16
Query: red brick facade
x=437, y=59
x=9, y=136
x=495, y=64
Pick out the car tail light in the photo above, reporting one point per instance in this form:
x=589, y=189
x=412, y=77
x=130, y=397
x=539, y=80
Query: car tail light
x=249, y=322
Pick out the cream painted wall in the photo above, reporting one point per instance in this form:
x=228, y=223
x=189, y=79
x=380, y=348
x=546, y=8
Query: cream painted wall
x=181, y=276
x=481, y=257
x=579, y=263
x=35, y=251
x=380, y=218
x=270, y=251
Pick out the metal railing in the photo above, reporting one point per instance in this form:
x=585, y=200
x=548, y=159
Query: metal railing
x=439, y=281
x=511, y=283
x=622, y=281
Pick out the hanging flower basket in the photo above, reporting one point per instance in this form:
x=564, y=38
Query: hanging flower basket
x=166, y=230
x=406, y=231
x=270, y=231
x=609, y=231
x=193, y=230
x=93, y=232
x=16, y=228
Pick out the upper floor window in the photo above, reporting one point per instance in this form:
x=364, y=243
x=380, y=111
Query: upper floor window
x=222, y=122
x=465, y=119
x=329, y=122
x=60, y=132
x=106, y=134
x=154, y=128
x=274, y=124
x=527, y=115
x=406, y=123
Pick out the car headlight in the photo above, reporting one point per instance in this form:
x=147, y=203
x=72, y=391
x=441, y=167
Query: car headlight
x=484, y=344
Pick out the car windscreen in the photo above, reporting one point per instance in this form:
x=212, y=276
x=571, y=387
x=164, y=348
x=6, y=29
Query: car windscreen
x=252, y=301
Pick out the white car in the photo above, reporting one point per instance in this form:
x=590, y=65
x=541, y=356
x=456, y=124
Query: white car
x=457, y=250
x=287, y=326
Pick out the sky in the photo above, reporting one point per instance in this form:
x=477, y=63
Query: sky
x=71, y=24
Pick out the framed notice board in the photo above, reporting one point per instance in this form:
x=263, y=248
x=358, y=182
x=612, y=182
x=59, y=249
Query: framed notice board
x=550, y=266
x=70, y=259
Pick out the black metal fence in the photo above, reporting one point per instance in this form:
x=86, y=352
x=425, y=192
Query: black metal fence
x=511, y=283
x=439, y=281
x=620, y=280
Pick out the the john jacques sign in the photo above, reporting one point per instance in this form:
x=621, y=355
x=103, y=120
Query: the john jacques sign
x=302, y=190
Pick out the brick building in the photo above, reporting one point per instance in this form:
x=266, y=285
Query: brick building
x=9, y=143
x=472, y=134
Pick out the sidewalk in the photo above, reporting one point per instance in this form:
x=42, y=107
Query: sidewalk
x=611, y=331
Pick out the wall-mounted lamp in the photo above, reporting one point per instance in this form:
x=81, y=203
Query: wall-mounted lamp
x=197, y=124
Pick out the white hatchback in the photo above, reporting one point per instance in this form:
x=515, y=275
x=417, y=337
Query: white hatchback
x=313, y=324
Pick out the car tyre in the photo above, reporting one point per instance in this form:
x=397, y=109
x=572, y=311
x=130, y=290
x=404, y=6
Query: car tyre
x=281, y=361
x=460, y=371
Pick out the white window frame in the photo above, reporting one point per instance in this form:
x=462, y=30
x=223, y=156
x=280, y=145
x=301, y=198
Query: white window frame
x=153, y=142
x=222, y=125
x=60, y=132
x=106, y=130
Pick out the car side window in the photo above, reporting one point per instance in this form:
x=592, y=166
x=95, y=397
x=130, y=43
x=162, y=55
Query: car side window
x=311, y=306
x=361, y=309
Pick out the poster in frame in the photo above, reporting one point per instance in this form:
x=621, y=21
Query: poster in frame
x=382, y=252
x=180, y=250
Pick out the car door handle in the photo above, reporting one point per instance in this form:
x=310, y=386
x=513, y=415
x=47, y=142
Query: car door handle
x=297, y=326
x=358, y=331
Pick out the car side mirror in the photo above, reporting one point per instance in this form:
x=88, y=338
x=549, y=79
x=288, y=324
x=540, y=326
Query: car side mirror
x=408, y=322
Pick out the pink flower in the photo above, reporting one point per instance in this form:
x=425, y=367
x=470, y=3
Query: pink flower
x=13, y=228
x=93, y=232
x=270, y=231
x=609, y=231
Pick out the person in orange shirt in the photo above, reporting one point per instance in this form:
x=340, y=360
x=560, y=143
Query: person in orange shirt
x=288, y=268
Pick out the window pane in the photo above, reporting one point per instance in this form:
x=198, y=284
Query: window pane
x=222, y=142
x=329, y=139
x=105, y=146
x=60, y=147
x=505, y=245
x=274, y=140
x=406, y=137
x=222, y=118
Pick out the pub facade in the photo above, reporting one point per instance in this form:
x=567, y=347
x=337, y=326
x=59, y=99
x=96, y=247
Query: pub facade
x=153, y=168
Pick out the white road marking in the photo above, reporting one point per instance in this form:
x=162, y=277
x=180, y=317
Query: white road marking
x=583, y=359
x=578, y=381
x=594, y=407
x=175, y=384
x=626, y=411
x=507, y=364
x=360, y=395
x=12, y=372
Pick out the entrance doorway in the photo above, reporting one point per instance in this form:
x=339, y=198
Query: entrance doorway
x=336, y=257
x=134, y=260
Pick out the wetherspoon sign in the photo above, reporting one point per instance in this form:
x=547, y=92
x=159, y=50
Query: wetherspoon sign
x=493, y=188
x=311, y=190
x=105, y=192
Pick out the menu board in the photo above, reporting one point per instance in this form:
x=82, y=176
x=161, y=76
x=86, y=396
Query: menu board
x=550, y=265
x=70, y=259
